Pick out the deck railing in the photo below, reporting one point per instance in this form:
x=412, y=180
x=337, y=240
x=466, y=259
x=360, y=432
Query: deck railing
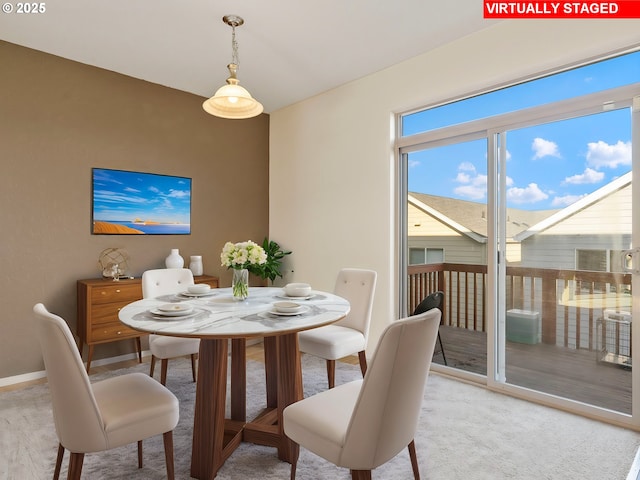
x=572, y=304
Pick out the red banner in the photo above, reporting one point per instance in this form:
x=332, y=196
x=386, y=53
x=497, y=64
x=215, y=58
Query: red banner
x=561, y=9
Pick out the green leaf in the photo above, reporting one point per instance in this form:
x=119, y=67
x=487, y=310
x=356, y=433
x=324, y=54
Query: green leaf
x=271, y=268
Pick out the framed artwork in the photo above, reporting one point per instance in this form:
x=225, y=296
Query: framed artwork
x=136, y=203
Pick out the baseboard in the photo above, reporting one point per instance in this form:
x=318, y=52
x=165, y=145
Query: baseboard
x=27, y=377
x=634, y=473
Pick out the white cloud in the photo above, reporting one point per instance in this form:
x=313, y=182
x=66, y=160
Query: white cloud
x=476, y=190
x=463, y=177
x=530, y=194
x=414, y=163
x=588, y=176
x=601, y=154
x=544, y=148
x=466, y=167
x=566, y=200
x=474, y=184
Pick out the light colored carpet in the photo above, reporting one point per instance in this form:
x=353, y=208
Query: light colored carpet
x=465, y=433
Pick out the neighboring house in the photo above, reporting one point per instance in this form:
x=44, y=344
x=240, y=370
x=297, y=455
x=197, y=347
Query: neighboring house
x=587, y=235
x=442, y=229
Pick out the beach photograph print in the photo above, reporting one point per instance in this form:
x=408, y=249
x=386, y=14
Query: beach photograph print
x=135, y=203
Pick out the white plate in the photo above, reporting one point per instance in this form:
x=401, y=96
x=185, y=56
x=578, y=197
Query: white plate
x=174, y=309
x=287, y=297
x=303, y=309
x=287, y=307
x=160, y=315
x=189, y=294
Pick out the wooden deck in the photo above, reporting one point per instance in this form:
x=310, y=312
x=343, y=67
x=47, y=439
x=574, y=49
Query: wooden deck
x=569, y=373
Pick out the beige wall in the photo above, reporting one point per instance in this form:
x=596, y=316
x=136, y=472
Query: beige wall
x=332, y=165
x=58, y=119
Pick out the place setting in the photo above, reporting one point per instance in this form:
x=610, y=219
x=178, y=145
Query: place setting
x=172, y=311
x=199, y=290
x=297, y=292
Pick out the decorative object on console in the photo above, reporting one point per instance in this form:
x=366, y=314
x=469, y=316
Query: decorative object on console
x=241, y=256
x=114, y=263
x=195, y=265
x=174, y=260
x=231, y=100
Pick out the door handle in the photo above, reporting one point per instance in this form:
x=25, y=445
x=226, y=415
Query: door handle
x=629, y=260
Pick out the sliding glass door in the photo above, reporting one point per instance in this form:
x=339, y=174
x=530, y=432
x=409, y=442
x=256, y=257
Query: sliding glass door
x=447, y=244
x=526, y=222
x=566, y=298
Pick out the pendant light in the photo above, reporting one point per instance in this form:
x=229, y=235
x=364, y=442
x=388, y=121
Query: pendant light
x=232, y=100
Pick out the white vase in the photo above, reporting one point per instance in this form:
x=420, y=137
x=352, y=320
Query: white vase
x=240, y=284
x=174, y=260
x=195, y=265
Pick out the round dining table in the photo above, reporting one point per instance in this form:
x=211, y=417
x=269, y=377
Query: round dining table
x=217, y=319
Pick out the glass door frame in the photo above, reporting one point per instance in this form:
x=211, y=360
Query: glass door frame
x=493, y=129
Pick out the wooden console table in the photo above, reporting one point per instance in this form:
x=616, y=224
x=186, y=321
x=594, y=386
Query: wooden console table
x=100, y=300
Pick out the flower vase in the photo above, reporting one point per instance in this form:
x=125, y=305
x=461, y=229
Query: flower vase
x=240, y=283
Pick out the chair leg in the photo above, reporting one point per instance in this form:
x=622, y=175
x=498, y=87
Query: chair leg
x=164, y=365
x=414, y=460
x=56, y=472
x=139, y=453
x=442, y=348
x=331, y=373
x=193, y=366
x=360, y=474
x=75, y=466
x=294, y=464
x=153, y=365
x=363, y=362
x=168, y=454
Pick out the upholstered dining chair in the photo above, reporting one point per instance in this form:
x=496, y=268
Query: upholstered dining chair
x=365, y=423
x=351, y=334
x=433, y=300
x=164, y=281
x=104, y=415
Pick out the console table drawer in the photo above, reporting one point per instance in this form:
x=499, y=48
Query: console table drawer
x=116, y=293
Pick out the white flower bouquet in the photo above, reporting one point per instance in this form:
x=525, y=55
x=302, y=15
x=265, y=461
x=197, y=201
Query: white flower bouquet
x=241, y=256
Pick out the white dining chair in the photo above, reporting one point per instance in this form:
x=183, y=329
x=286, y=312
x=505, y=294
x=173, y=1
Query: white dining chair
x=365, y=423
x=165, y=281
x=351, y=334
x=106, y=414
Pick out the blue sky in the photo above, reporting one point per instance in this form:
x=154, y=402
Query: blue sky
x=549, y=166
x=125, y=196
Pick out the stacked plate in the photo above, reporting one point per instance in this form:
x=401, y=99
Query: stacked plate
x=288, y=308
x=173, y=310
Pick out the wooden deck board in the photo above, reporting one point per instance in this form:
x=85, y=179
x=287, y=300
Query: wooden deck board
x=565, y=372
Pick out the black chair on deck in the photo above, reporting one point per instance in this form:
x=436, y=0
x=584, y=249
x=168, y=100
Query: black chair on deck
x=433, y=300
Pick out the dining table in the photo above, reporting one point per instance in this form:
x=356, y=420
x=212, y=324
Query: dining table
x=219, y=321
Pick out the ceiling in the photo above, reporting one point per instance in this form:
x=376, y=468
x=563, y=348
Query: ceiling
x=289, y=50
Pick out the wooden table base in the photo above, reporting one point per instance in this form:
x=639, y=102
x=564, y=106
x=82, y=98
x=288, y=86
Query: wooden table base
x=215, y=437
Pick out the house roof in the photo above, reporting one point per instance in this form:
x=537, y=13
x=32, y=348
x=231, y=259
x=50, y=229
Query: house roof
x=470, y=218
x=585, y=202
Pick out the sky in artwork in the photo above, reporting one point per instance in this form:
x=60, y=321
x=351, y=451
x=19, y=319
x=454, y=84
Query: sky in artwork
x=549, y=166
x=127, y=196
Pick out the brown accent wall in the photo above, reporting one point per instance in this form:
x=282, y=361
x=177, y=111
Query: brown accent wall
x=58, y=119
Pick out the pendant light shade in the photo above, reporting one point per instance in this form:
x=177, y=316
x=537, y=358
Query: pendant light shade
x=232, y=100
